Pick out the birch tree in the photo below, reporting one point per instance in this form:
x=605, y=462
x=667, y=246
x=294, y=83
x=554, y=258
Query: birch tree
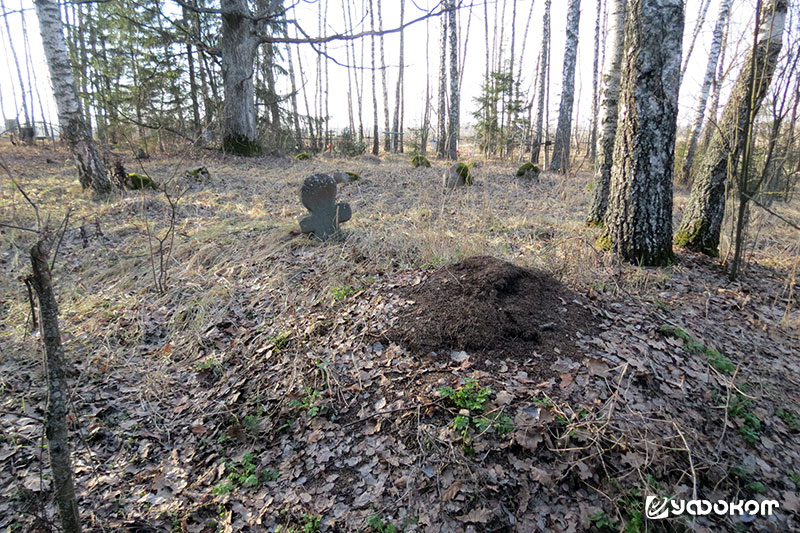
x=639, y=221
x=595, y=75
x=708, y=79
x=74, y=130
x=702, y=219
x=543, y=68
x=16, y=63
x=561, y=147
x=609, y=107
x=375, y=142
x=387, y=144
x=397, y=125
x=453, y=119
x=441, y=144
x=716, y=87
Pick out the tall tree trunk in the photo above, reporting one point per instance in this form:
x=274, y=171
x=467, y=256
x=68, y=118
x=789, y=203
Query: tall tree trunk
x=711, y=68
x=560, y=161
x=426, y=116
x=196, y=126
x=359, y=86
x=398, y=96
x=82, y=66
x=350, y=63
x=238, y=45
x=609, y=108
x=640, y=209
x=595, y=75
x=511, y=106
x=701, y=18
x=387, y=144
x=309, y=118
x=91, y=172
x=543, y=68
x=375, y=141
x=453, y=122
x=702, y=218
x=487, y=142
x=716, y=86
x=298, y=132
x=57, y=390
x=441, y=142
x=25, y=112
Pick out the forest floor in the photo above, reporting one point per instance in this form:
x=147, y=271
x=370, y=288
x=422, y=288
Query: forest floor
x=255, y=379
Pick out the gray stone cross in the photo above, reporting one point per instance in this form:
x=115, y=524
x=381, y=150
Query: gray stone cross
x=318, y=194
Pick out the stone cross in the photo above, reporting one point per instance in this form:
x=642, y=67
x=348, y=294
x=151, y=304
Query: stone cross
x=318, y=194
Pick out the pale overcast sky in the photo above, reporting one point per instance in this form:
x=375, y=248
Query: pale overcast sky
x=306, y=13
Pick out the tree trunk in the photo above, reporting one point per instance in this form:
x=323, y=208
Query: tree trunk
x=25, y=112
x=640, y=208
x=375, y=141
x=609, y=108
x=238, y=45
x=387, y=144
x=592, y=152
x=359, y=86
x=441, y=142
x=487, y=142
x=91, y=172
x=453, y=122
x=560, y=161
x=350, y=63
x=298, y=132
x=711, y=121
x=543, y=69
x=56, y=421
x=426, y=115
x=701, y=18
x=398, y=96
x=702, y=218
x=711, y=68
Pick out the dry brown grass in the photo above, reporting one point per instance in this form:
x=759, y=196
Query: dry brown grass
x=234, y=233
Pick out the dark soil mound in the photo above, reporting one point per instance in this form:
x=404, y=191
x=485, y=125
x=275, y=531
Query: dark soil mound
x=487, y=306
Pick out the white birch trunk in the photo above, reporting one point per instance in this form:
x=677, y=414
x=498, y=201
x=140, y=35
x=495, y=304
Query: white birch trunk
x=74, y=131
x=639, y=220
x=545, y=57
x=561, y=147
x=441, y=143
x=453, y=122
x=609, y=108
x=711, y=68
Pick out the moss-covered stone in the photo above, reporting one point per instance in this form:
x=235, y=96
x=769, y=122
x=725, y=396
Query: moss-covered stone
x=528, y=170
x=353, y=176
x=140, y=181
x=239, y=145
x=198, y=174
x=420, y=161
x=463, y=170
x=302, y=156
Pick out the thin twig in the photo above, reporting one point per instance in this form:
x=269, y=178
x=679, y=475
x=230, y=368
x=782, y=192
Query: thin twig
x=61, y=238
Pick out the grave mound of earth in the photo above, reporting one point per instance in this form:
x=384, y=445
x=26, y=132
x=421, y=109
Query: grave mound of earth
x=490, y=307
